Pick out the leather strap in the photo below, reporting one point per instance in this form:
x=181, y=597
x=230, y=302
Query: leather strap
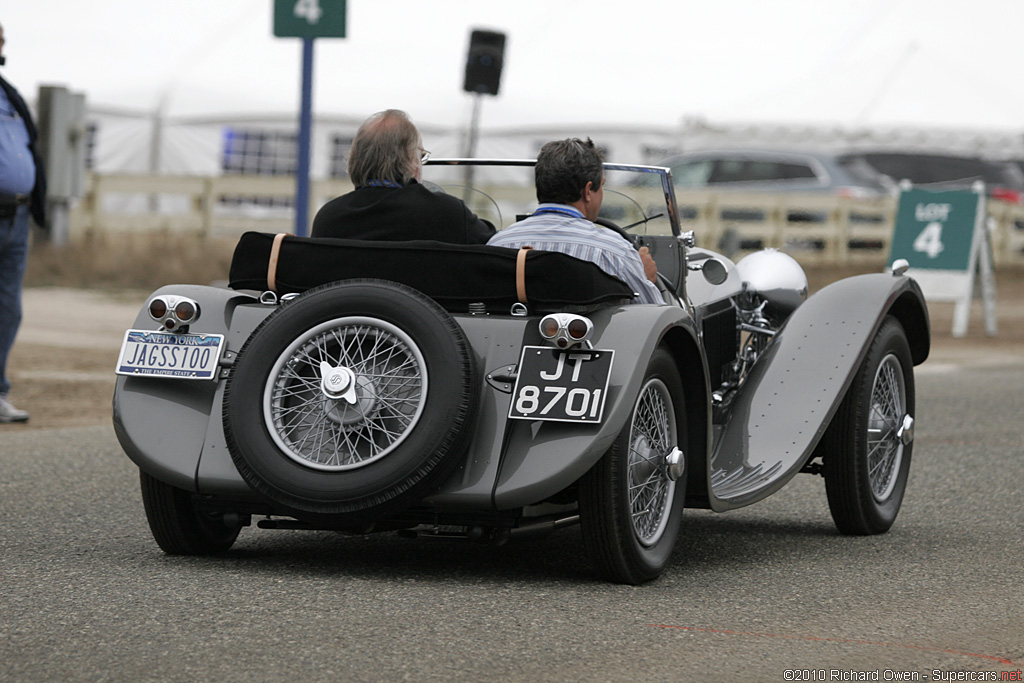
x=521, y=274
x=275, y=252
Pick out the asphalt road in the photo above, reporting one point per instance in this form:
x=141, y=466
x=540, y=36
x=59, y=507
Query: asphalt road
x=86, y=595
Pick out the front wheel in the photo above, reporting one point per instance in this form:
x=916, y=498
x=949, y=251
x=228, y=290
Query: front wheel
x=177, y=523
x=868, y=443
x=630, y=506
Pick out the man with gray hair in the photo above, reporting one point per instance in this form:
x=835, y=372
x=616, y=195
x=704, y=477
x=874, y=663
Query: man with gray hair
x=389, y=203
x=22, y=194
x=570, y=188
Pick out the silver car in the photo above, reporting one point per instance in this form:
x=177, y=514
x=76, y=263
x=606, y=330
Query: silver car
x=762, y=170
x=485, y=393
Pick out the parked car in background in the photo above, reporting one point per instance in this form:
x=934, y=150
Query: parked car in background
x=772, y=171
x=761, y=170
x=1003, y=180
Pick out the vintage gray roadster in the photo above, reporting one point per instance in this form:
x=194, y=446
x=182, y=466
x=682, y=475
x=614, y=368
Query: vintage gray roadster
x=489, y=393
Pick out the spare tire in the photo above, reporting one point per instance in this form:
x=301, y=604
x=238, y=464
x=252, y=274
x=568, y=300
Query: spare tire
x=354, y=399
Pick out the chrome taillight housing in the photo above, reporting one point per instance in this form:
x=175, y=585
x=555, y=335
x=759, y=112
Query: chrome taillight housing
x=566, y=329
x=173, y=312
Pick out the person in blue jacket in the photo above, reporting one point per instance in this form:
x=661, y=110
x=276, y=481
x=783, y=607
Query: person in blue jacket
x=22, y=194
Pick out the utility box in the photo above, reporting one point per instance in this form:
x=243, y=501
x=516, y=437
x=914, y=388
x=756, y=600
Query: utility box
x=62, y=140
x=62, y=147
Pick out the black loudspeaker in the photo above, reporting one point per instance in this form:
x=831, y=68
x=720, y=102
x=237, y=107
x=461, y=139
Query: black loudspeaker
x=483, y=64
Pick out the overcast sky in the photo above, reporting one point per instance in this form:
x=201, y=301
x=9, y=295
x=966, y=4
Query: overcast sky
x=934, y=63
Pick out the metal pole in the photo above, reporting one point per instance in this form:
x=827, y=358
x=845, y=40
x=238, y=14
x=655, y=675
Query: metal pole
x=305, y=124
x=474, y=127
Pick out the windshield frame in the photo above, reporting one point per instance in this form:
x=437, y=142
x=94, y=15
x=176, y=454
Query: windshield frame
x=664, y=173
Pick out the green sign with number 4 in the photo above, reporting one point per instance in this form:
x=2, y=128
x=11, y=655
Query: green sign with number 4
x=309, y=18
x=942, y=236
x=934, y=230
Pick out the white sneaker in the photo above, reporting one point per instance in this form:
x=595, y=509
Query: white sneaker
x=8, y=413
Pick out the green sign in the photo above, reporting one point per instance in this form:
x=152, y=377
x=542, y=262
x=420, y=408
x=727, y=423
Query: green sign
x=935, y=230
x=309, y=18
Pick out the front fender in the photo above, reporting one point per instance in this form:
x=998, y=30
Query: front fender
x=795, y=388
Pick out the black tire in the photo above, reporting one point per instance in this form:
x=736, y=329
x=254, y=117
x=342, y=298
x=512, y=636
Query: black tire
x=178, y=525
x=380, y=444
x=623, y=546
x=867, y=446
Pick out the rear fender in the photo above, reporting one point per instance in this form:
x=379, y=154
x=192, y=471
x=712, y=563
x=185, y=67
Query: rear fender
x=162, y=423
x=542, y=458
x=795, y=388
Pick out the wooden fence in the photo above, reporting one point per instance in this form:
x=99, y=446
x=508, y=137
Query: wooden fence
x=814, y=228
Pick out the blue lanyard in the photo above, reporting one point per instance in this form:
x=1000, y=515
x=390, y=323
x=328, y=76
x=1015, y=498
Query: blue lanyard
x=565, y=211
x=379, y=183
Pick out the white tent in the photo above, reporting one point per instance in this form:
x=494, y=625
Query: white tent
x=164, y=80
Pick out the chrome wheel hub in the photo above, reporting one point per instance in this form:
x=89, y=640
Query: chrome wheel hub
x=337, y=383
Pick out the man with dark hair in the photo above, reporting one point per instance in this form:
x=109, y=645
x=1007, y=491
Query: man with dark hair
x=22, y=193
x=389, y=203
x=570, y=188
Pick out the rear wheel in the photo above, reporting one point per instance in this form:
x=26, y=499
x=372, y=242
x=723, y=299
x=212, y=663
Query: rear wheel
x=630, y=508
x=177, y=523
x=868, y=444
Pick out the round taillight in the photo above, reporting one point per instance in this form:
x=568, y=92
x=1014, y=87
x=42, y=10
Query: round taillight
x=185, y=311
x=549, y=327
x=157, y=309
x=577, y=329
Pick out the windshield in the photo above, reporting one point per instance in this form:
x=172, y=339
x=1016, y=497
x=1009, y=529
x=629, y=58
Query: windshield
x=503, y=193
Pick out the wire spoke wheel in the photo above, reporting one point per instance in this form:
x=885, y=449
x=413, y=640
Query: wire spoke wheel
x=867, y=447
x=355, y=399
x=377, y=397
x=888, y=406
x=651, y=436
x=630, y=508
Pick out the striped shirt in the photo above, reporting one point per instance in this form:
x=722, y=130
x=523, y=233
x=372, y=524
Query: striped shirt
x=557, y=227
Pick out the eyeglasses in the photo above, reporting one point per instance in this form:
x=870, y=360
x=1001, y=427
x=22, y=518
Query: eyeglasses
x=424, y=155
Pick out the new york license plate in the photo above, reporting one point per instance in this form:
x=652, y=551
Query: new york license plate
x=162, y=354
x=561, y=385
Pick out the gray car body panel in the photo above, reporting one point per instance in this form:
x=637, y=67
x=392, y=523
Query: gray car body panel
x=173, y=430
x=166, y=425
x=793, y=391
x=542, y=458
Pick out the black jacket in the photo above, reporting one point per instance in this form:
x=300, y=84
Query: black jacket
x=38, y=207
x=410, y=212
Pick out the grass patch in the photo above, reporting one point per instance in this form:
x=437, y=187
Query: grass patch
x=129, y=261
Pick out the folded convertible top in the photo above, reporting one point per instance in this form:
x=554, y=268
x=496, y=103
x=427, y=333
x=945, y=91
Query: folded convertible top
x=454, y=275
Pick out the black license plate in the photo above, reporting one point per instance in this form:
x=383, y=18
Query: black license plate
x=561, y=385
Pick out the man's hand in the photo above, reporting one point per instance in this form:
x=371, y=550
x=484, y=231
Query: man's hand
x=650, y=267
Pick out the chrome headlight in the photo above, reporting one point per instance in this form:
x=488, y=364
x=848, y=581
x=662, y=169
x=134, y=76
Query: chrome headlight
x=173, y=312
x=775, y=277
x=566, y=329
